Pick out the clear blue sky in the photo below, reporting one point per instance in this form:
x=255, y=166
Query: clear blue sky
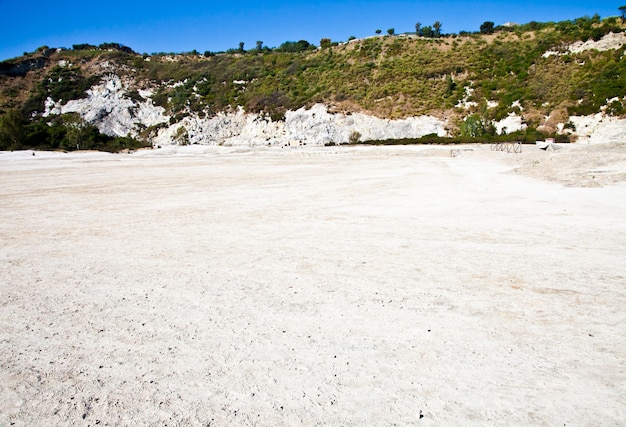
x=184, y=25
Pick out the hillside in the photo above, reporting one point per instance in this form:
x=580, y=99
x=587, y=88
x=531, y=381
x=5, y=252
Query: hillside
x=539, y=77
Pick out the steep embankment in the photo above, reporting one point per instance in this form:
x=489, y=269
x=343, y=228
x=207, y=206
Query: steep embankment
x=107, y=106
x=566, y=79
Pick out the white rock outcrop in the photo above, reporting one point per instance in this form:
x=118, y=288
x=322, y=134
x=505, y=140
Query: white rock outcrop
x=107, y=108
x=314, y=126
x=599, y=128
x=511, y=123
x=607, y=42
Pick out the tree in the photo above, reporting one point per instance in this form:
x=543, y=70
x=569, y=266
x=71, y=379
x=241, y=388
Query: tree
x=12, y=126
x=78, y=132
x=487, y=27
x=259, y=46
x=427, y=31
x=304, y=45
x=437, y=28
x=475, y=126
x=378, y=31
x=241, y=47
x=622, y=10
x=418, y=26
x=325, y=42
x=391, y=31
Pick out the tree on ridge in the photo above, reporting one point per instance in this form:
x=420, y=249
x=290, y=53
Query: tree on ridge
x=437, y=28
x=487, y=27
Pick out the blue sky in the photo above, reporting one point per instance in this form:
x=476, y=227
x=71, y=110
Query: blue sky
x=184, y=25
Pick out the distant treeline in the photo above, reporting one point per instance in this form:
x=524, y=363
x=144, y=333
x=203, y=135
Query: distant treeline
x=583, y=26
x=103, y=46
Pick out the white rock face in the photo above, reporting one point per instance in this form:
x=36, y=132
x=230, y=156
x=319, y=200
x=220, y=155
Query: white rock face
x=108, y=109
x=315, y=126
x=510, y=124
x=608, y=42
x=599, y=128
x=320, y=126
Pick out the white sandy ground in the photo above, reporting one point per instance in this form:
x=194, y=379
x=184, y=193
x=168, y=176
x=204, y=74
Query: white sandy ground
x=314, y=286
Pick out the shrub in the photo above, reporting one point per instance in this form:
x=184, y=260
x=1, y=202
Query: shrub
x=475, y=126
x=181, y=136
x=354, y=137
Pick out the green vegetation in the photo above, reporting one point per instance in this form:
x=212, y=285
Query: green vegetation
x=475, y=126
x=293, y=47
x=529, y=136
x=67, y=132
x=65, y=83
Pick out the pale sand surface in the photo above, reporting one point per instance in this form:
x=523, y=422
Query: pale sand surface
x=314, y=286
